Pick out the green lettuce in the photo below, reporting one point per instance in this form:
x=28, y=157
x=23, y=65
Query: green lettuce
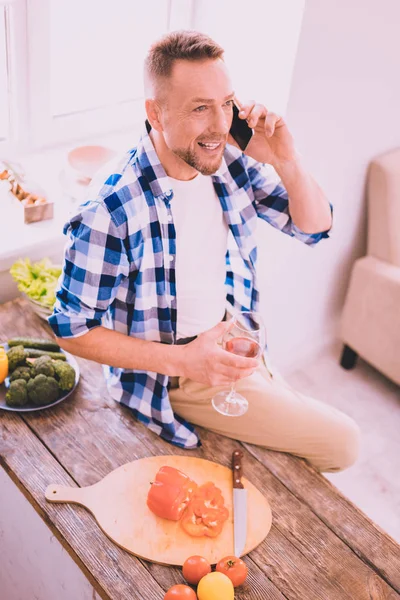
x=37, y=280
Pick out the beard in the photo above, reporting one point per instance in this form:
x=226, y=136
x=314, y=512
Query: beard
x=205, y=167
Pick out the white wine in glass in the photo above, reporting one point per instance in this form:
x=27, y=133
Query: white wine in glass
x=245, y=338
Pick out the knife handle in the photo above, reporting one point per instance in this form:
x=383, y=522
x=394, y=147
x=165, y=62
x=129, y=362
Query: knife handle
x=237, y=456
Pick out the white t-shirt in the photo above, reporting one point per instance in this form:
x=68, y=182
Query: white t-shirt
x=201, y=243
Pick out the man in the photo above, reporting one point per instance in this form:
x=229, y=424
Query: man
x=166, y=246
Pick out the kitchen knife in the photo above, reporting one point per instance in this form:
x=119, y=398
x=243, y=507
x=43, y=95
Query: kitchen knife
x=239, y=505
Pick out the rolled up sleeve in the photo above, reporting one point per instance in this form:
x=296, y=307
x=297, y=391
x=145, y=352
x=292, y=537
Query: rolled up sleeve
x=271, y=202
x=95, y=263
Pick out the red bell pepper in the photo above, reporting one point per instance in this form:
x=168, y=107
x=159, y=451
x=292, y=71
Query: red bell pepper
x=206, y=512
x=170, y=493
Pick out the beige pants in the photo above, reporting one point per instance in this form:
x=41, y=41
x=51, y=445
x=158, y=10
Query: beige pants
x=279, y=418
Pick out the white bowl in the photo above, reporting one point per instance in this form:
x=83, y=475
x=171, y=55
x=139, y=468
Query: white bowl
x=87, y=160
x=42, y=311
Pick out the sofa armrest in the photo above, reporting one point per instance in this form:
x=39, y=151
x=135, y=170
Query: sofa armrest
x=384, y=207
x=370, y=322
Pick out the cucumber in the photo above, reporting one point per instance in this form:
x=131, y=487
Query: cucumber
x=37, y=343
x=35, y=353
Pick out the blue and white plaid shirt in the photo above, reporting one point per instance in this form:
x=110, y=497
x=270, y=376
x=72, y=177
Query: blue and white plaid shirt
x=119, y=269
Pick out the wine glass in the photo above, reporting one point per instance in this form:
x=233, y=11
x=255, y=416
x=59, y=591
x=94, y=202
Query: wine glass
x=246, y=337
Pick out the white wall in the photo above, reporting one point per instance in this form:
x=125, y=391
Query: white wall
x=343, y=110
x=259, y=57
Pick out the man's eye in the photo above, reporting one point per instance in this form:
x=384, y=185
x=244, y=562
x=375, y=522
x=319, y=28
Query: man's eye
x=200, y=108
x=229, y=103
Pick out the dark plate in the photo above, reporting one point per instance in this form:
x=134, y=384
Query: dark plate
x=30, y=407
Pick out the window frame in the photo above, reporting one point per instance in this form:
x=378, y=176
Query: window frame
x=17, y=69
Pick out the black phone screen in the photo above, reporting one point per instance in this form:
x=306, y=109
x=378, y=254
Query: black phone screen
x=240, y=131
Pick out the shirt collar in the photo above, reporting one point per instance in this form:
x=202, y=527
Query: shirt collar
x=154, y=172
x=151, y=166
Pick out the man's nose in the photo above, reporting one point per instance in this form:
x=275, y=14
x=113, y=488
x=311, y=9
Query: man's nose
x=221, y=121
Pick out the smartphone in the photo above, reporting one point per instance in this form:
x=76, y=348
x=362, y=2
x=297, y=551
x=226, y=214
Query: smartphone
x=240, y=131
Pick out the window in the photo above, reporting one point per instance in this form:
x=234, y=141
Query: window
x=71, y=70
x=97, y=51
x=93, y=69
x=14, y=133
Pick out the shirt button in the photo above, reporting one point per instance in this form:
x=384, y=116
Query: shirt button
x=169, y=218
x=170, y=258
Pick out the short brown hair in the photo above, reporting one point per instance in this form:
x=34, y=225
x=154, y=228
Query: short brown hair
x=179, y=45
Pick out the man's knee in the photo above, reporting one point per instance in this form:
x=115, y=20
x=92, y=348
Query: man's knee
x=344, y=448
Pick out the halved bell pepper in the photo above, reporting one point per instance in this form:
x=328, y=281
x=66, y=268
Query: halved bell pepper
x=210, y=524
x=207, y=496
x=206, y=512
x=170, y=493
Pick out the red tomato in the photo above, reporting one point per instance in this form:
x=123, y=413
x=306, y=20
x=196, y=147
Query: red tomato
x=234, y=568
x=170, y=493
x=194, y=568
x=180, y=592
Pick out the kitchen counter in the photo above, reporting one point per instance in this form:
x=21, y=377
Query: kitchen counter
x=320, y=545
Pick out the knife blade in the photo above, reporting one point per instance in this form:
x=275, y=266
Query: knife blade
x=239, y=505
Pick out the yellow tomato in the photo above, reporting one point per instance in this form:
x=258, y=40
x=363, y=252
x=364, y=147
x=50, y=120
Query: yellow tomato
x=3, y=364
x=215, y=586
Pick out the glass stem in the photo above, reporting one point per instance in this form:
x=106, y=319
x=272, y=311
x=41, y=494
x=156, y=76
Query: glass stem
x=230, y=397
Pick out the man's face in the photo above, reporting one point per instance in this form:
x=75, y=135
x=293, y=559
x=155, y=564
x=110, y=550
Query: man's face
x=197, y=113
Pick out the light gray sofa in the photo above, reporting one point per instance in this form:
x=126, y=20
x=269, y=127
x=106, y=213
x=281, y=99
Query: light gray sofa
x=370, y=324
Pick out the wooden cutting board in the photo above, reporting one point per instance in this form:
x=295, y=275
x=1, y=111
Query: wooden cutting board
x=118, y=503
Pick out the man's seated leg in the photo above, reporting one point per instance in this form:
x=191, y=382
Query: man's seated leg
x=279, y=418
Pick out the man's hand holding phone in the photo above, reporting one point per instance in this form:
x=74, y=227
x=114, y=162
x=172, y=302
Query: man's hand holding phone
x=261, y=134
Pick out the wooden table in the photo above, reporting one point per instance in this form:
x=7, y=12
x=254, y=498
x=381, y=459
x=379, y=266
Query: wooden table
x=320, y=545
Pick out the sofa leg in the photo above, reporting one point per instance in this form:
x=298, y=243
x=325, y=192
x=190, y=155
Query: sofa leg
x=349, y=358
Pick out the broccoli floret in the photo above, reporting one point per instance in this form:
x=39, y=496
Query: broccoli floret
x=17, y=393
x=43, y=366
x=21, y=373
x=42, y=390
x=65, y=375
x=16, y=356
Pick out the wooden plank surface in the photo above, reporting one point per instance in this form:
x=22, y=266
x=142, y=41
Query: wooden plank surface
x=351, y=525
x=31, y=467
x=309, y=554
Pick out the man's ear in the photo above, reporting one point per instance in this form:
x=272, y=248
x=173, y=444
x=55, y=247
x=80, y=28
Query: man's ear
x=153, y=114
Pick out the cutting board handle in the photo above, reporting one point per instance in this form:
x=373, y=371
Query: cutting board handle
x=63, y=493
